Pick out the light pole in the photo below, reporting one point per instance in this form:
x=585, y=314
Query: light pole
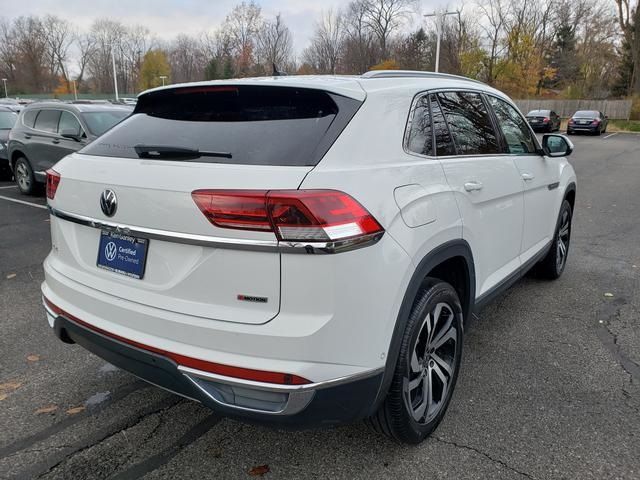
x=115, y=76
x=6, y=95
x=439, y=25
x=163, y=78
x=75, y=92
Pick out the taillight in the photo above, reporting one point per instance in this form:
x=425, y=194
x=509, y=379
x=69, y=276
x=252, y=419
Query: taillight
x=545, y=120
x=595, y=122
x=53, y=180
x=293, y=215
x=570, y=120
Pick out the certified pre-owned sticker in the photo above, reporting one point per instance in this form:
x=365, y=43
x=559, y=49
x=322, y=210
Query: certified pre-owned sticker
x=252, y=298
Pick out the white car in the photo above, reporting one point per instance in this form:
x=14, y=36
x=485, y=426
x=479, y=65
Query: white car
x=304, y=250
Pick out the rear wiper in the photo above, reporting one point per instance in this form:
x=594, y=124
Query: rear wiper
x=164, y=152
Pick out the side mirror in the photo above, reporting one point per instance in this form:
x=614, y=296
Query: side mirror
x=606, y=117
x=555, y=145
x=72, y=134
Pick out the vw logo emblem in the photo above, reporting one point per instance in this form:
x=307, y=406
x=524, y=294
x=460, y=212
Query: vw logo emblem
x=108, y=203
x=110, y=251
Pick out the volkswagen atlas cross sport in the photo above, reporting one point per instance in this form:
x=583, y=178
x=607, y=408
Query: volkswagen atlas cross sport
x=304, y=250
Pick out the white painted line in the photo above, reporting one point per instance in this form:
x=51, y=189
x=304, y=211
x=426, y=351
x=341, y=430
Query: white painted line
x=610, y=135
x=9, y=186
x=22, y=202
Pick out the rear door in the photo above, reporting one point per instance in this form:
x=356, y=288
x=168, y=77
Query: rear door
x=43, y=151
x=487, y=184
x=64, y=146
x=178, y=141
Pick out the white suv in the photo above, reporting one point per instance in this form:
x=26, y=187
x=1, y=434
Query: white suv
x=304, y=250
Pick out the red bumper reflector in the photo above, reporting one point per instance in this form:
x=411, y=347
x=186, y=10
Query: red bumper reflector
x=185, y=361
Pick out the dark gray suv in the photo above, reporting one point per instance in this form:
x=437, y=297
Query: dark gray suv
x=46, y=132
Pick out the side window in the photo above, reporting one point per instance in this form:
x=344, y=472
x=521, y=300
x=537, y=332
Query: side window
x=444, y=143
x=420, y=136
x=29, y=118
x=69, y=122
x=47, y=120
x=515, y=130
x=469, y=123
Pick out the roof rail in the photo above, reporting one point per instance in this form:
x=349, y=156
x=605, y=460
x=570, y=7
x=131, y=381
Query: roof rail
x=414, y=73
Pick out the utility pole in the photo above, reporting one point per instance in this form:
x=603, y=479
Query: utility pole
x=115, y=76
x=75, y=92
x=439, y=16
x=6, y=95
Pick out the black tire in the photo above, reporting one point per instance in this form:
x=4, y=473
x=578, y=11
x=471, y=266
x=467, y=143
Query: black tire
x=552, y=265
x=396, y=416
x=25, y=179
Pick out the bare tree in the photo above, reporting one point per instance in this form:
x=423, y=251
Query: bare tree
x=187, y=59
x=384, y=17
x=324, y=52
x=241, y=27
x=274, y=44
x=59, y=36
x=360, y=49
x=86, y=46
x=629, y=21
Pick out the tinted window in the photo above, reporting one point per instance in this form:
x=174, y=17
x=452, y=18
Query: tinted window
x=444, y=143
x=69, y=122
x=515, y=130
x=7, y=120
x=538, y=113
x=100, y=122
x=255, y=125
x=420, y=139
x=469, y=123
x=47, y=120
x=29, y=118
x=586, y=114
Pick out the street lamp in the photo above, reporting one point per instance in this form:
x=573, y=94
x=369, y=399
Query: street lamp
x=75, y=91
x=115, y=76
x=439, y=26
x=163, y=78
x=4, y=80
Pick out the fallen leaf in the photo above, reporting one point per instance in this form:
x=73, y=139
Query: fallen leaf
x=11, y=275
x=47, y=409
x=608, y=295
x=9, y=387
x=259, y=471
x=33, y=358
x=74, y=410
x=3, y=396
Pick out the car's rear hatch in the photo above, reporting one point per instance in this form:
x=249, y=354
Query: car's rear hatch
x=244, y=136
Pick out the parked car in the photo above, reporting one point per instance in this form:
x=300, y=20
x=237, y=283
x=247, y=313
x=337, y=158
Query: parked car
x=45, y=132
x=544, y=120
x=293, y=251
x=7, y=119
x=590, y=121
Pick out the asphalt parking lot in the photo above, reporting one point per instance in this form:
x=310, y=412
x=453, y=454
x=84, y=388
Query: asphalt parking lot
x=549, y=388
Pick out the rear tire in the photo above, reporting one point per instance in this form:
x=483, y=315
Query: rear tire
x=552, y=265
x=427, y=366
x=24, y=176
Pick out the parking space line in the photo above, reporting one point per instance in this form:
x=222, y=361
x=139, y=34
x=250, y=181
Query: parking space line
x=8, y=186
x=610, y=135
x=22, y=202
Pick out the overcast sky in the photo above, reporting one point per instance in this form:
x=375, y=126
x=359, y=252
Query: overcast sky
x=168, y=18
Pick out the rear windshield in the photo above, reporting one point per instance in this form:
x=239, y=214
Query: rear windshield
x=7, y=120
x=536, y=113
x=252, y=125
x=100, y=122
x=586, y=114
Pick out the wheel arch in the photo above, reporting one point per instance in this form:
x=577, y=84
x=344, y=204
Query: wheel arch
x=15, y=155
x=570, y=195
x=451, y=260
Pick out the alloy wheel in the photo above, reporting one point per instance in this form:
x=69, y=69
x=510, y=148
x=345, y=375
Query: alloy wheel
x=562, y=243
x=22, y=176
x=432, y=364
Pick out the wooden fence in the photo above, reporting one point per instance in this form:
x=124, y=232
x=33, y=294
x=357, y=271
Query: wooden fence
x=615, y=109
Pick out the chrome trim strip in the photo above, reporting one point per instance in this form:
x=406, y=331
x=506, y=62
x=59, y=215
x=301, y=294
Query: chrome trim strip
x=271, y=387
x=221, y=242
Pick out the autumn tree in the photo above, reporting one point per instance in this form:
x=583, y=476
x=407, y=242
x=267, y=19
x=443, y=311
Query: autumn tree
x=154, y=66
x=240, y=29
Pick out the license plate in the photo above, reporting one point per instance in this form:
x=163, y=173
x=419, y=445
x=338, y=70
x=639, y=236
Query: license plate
x=534, y=121
x=122, y=254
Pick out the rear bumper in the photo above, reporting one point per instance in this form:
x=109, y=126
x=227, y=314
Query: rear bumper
x=328, y=403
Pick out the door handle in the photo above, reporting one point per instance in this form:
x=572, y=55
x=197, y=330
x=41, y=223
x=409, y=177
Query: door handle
x=527, y=177
x=27, y=136
x=55, y=140
x=473, y=186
